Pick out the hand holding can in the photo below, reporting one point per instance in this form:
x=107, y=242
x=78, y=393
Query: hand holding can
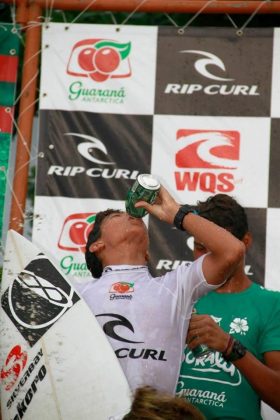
x=202, y=350
x=145, y=188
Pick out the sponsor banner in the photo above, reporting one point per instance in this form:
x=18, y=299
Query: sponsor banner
x=275, y=92
x=90, y=155
x=115, y=107
x=209, y=155
x=272, y=249
x=9, y=50
x=212, y=67
x=176, y=247
x=65, y=223
x=99, y=68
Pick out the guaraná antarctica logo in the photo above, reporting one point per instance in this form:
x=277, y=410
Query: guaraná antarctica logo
x=99, y=60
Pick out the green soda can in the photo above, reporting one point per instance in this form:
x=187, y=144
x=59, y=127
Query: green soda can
x=202, y=350
x=145, y=188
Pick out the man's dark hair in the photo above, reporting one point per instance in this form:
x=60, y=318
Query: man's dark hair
x=93, y=263
x=226, y=212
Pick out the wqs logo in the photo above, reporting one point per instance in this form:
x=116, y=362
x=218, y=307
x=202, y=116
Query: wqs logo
x=208, y=149
x=37, y=298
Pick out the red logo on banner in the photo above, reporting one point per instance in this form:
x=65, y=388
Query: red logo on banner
x=15, y=363
x=100, y=59
x=75, y=231
x=217, y=149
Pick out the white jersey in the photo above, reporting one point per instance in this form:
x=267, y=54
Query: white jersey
x=146, y=319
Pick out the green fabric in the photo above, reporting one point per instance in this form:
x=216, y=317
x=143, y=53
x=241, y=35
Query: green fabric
x=215, y=386
x=9, y=39
x=7, y=93
x=9, y=46
x=4, y=158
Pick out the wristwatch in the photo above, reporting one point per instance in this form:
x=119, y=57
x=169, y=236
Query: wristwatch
x=181, y=213
x=237, y=352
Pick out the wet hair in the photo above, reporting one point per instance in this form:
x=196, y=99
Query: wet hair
x=150, y=404
x=226, y=212
x=93, y=263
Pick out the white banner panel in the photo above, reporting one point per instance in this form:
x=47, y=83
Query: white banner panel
x=98, y=68
x=209, y=155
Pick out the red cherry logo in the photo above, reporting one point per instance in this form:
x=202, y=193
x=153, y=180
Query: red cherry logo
x=121, y=287
x=106, y=60
x=85, y=59
x=77, y=233
x=98, y=77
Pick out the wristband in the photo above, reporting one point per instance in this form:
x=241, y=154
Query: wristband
x=229, y=344
x=237, y=352
x=181, y=213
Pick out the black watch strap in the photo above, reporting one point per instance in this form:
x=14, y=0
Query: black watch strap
x=181, y=213
x=237, y=352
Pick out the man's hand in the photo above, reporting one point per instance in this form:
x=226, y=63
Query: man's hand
x=164, y=208
x=204, y=330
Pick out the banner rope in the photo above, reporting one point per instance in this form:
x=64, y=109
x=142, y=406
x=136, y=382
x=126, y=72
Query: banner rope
x=27, y=84
x=171, y=20
x=182, y=29
x=19, y=134
x=231, y=21
x=114, y=20
x=133, y=12
x=13, y=194
x=48, y=11
x=82, y=12
x=239, y=32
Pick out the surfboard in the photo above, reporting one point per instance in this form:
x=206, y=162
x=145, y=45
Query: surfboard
x=55, y=360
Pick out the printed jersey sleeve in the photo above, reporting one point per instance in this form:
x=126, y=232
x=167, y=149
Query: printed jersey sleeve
x=270, y=336
x=193, y=282
x=187, y=283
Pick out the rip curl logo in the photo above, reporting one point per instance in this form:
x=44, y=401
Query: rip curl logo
x=202, y=64
x=217, y=149
x=88, y=148
x=37, y=298
x=14, y=365
x=100, y=59
x=239, y=326
x=117, y=321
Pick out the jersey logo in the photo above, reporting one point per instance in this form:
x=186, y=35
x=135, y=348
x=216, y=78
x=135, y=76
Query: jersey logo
x=120, y=321
x=121, y=287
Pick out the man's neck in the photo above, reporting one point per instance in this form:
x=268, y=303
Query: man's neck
x=124, y=258
x=236, y=283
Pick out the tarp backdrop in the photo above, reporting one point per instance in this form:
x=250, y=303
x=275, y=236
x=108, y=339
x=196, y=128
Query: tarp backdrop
x=199, y=109
x=9, y=50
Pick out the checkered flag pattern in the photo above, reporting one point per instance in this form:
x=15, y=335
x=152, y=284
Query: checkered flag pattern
x=200, y=110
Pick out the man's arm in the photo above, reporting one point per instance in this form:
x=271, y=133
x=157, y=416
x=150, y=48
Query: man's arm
x=225, y=251
x=263, y=377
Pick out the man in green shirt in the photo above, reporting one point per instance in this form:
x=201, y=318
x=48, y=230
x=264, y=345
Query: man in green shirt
x=242, y=327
